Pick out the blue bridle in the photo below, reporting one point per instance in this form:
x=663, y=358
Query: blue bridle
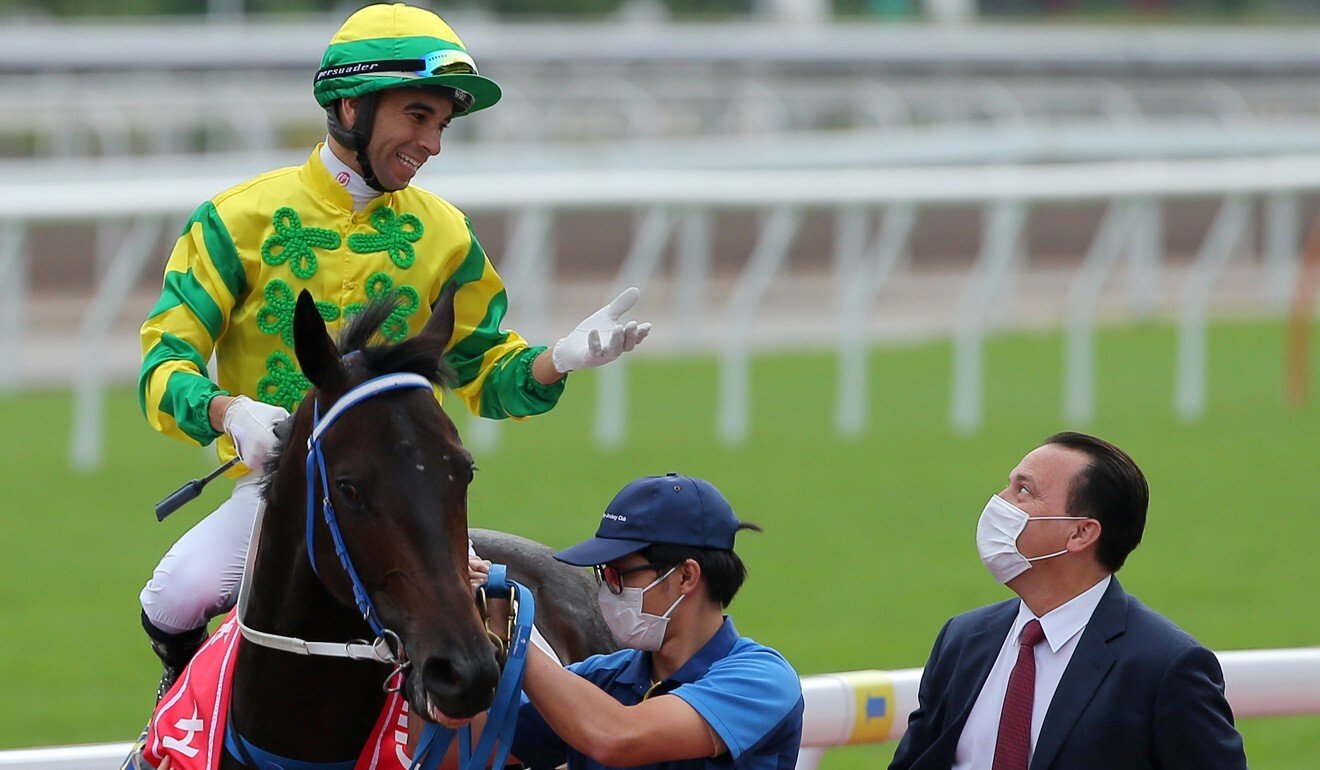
x=502, y=716
x=316, y=471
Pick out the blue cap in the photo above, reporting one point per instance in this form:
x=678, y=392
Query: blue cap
x=669, y=510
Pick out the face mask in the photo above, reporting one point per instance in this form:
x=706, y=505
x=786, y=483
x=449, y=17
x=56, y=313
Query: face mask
x=996, y=538
x=632, y=627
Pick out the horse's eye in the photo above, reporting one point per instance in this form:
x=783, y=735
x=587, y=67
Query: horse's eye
x=349, y=491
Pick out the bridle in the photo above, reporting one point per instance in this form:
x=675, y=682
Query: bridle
x=386, y=648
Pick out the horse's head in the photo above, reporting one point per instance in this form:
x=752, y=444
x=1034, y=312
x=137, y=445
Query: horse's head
x=396, y=476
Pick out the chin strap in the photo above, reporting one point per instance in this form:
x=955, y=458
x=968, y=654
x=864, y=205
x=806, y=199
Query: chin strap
x=357, y=138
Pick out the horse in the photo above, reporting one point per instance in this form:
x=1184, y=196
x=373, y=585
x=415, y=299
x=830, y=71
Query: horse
x=394, y=475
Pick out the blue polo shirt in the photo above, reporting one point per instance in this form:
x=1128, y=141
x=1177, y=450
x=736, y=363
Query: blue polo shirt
x=749, y=695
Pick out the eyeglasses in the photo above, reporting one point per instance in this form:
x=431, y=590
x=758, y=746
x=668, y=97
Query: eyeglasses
x=613, y=576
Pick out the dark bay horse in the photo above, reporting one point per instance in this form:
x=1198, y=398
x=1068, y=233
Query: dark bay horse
x=396, y=476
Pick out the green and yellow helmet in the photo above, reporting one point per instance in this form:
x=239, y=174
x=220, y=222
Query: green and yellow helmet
x=397, y=46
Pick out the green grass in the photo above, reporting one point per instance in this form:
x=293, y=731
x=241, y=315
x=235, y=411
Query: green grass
x=868, y=545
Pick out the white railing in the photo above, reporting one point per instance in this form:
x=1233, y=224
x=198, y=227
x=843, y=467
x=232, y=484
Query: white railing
x=679, y=207
x=856, y=707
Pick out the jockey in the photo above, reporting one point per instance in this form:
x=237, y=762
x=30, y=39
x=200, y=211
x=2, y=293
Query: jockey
x=349, y=227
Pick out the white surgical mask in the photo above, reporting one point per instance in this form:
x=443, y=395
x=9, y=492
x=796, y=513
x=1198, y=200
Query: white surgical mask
x=632, y=627
x=997, y=532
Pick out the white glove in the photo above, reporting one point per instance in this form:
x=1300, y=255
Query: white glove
x=251, y=425
x=582, y=348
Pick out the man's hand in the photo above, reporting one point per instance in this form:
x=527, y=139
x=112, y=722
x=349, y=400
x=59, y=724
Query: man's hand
x=600, y=338
x=478, y=571
x=251, y=425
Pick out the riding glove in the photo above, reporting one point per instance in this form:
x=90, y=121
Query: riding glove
x=251, y=425
x=600, y=338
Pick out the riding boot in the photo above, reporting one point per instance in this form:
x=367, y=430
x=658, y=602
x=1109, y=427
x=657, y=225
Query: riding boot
x=174, y=651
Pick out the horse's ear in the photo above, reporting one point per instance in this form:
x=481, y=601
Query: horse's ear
x=440, y=326
x=317, y=355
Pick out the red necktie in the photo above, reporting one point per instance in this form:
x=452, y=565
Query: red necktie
x=1013, y=745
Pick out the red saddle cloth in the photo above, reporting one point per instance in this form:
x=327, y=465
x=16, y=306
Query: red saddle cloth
x=189, y=723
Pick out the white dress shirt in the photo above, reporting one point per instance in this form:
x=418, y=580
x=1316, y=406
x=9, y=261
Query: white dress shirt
x=1063, y=627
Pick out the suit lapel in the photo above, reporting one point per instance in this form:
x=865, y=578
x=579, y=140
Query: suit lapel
x=1090, y=664
x=974, y=663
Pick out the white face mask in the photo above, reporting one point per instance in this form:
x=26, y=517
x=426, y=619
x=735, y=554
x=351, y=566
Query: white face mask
x=632, y=627
x=997, y=532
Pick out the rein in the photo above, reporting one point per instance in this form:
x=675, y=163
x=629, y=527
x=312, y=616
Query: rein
x=502, y=717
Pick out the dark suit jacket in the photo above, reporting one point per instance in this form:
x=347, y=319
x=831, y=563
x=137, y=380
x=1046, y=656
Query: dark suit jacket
x=1138, y=693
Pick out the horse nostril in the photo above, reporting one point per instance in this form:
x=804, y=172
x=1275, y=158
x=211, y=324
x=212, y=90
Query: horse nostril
x=460, y=686
x=439, y=675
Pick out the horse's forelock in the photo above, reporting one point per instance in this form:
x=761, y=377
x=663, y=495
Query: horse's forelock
x=412, y=355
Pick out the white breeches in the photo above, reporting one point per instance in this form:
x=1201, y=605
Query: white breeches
x=198, y=577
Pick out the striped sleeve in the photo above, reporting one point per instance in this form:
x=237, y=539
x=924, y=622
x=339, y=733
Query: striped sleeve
x=203, y=279
x=494, y=365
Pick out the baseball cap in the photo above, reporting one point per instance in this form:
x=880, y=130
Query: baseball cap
x=672, y=510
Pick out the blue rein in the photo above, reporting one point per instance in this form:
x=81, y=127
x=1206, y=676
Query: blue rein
x=502, y=718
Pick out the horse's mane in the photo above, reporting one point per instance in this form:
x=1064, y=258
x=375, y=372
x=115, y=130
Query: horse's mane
x=365, y=360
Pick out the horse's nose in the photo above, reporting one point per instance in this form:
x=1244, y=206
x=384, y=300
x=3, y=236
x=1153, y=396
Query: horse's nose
x=461, y=685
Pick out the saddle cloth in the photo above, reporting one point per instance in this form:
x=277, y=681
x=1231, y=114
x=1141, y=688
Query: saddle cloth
x=189, y=723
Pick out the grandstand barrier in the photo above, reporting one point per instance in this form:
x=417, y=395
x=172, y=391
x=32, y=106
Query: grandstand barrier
x=676, y=207
x=858, y=707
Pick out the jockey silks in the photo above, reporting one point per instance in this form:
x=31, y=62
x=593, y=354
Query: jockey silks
x=236, y=270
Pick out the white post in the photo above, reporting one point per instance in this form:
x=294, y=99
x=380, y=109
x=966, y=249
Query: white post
x=1282, y=247
x=1223, y=241
x=692, y=273
x=13, y=297
x=1147, y=257
x=858, y=289
x=777, y=232
x=1079, y=354
x=93, y=331
x=612, y=381
x=1005, y=221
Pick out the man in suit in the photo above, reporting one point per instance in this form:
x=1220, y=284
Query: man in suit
x=1075, y=673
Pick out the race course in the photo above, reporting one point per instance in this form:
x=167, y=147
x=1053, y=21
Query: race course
x=868, y=544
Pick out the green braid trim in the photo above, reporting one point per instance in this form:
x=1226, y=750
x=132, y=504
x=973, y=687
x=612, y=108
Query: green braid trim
x=395, y=326
x=511, y=390
x=276, y=316
x=296, y=244
x=283, y=384
x=395, y=234
x=187, y=399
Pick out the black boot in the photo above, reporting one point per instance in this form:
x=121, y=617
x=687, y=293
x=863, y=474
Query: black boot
x=174, y=651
